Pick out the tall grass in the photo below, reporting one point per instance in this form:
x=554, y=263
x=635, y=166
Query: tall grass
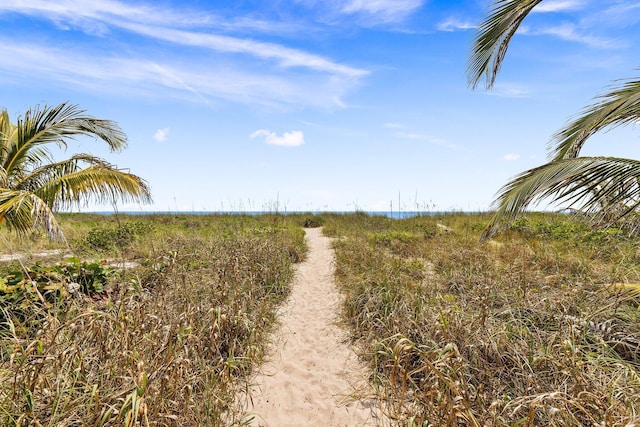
x=523, y=330
x=165, y=343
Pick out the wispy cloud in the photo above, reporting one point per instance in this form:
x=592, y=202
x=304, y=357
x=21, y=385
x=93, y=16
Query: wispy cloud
x=415, y=136
x=402, y=131
x=233, y=68
x=161, y=134
x=510, y=157
x=165, y=25
x=286, y=57
x=617, y=13
x=411, y=135
x=294, y=138
x=510, y=90
x=382, y=11
x=107, y=11
x=615, y=17
x=364, y=13
x=558, y=6
x=139, y=76
x=394, y=126
x=455, y=24
x=571, y=32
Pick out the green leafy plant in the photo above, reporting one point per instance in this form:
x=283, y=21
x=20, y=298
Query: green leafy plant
x=90, y=277
x=29, y=293
x=119, y=237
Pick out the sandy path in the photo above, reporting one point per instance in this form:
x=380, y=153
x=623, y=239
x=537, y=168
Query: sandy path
x=311, y=372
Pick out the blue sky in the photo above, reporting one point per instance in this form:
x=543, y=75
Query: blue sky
x=316, y=105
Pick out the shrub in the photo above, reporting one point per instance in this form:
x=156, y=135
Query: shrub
x=313, y=221
x=120, y=237
x=27, y=293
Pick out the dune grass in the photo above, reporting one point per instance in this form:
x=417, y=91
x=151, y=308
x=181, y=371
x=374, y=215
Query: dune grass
x=538, y=327
x=165, y=343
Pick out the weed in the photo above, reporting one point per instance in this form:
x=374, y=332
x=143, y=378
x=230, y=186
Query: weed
x=516, y=331
x=166, y=343
x=119, y=237
x=313, y=221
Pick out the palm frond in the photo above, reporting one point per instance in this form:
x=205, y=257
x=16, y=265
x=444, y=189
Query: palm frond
x=8, y=132
x=23, y=211
x=33, y=186
x=7, y=129
x=599, y=186
x=100, y=182
x=39, y=177
x=619, y=107
x=493, y=37
x=41, y=126
x=632, y=288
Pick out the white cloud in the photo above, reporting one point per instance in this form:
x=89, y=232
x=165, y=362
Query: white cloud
x=286, y=57
x=414, y=136
x=558, y=6
x=74, y=12
x=394, y=126
x=455, y=24
x=225, y=67
x=382, y=11
x=164, y=24
x=570, y=32
x=161, y=134
x=339, y=102
x=295, y=138
x=201, y=82
x=92, y=16
x=618, y=14
x=510, y=157
x=509, y=90
x=411, y=135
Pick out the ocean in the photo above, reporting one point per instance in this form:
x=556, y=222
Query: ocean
x=389, y=214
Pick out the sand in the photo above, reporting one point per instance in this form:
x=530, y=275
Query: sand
x=312, y=377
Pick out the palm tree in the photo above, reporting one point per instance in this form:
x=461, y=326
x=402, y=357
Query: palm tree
x=605, y=188
x=33, y=186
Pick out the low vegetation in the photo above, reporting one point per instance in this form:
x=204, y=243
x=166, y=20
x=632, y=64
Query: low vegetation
x=84, y=342
x=538, y=327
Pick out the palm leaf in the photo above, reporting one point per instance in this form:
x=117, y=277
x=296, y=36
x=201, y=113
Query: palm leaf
x=632, y=288
x=23, y=211
x=8, y=132
x=42, y=175
x=604, y=187
x=493, y=37
x=33, y=185
x=619, y=107
x=7, y=129
x=101, y=183
x=54, y=125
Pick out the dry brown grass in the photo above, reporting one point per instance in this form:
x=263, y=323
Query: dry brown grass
x=518, y=331
x=166, y=343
